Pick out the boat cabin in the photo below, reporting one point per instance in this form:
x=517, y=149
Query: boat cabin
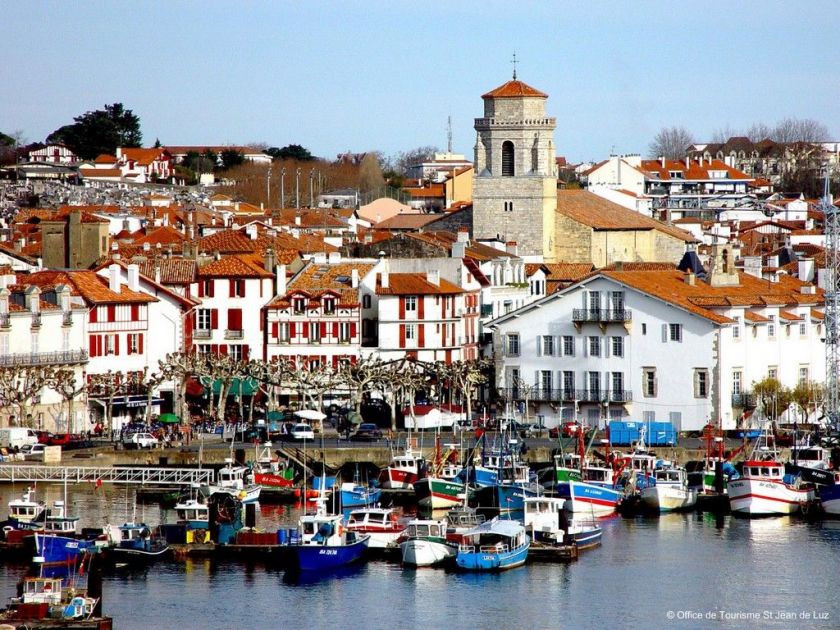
x=460, y=518
x=673, y=476
x=811, y=456
x=38, y=590
x=321, y=529
x=567, y=460
x=426, y=529
x=543, y=513
x=192, y=511
x=756, y=469
x=598, y=475
x=25, y=509
x=496, y=536
x=232, y=477
x=375, y=519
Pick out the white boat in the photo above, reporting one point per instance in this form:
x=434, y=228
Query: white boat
x=669, y=491
x=425, y=543
x=765, y=490
x=382, y=524
x=547, y=520
x=232, y=480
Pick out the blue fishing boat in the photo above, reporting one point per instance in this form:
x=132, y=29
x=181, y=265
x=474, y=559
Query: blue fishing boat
x=589, y=498
x=138, y=544
x=60, y=550
x=354, y=495
x=496, y=545
x=324, y=543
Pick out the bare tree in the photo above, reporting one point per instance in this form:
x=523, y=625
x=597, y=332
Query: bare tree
x=790, y=130
x=358, y=377
x=466, y=376
x=723, y=134
x=19, y=385
x=64, y=382
x=759, y=131
x=179, y=367
x=370, y=174
x=104, y=388
x=671, y=143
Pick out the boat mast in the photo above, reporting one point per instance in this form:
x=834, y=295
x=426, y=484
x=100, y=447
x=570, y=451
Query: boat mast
x=832, y=307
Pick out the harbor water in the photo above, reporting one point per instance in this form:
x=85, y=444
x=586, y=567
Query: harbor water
x=676, y=571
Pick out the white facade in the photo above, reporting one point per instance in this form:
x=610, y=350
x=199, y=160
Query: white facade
x=635, y=356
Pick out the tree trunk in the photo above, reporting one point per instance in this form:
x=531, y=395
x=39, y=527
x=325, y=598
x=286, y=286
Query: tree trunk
x=393, y=402
x=70, y=414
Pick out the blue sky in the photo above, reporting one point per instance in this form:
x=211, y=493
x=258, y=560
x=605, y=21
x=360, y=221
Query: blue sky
x=384, y=76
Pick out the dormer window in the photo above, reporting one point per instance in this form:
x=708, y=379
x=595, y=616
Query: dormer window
x=329, y=305
x=299, y=305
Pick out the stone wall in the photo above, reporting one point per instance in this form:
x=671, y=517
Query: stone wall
x=572, y=240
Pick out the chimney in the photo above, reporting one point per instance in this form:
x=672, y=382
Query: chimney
x=147, y=246
x=280, y=280
x=662, y=161
x=459, y=249
x=806, y=269
x=251, y=231
x=463, y=235
x=268, y=260
x=133, y=277
x=334, y=258
x=157, y=273
x=433, y=277
x=354, y=278
x=386, y=280
x=808, y=289
x=114, y=280
x=511, y=248
x=686, y=162
x=297, y=219
x=690, y=278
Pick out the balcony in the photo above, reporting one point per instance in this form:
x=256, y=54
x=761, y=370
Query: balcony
x=744, y=400
x=234, y=334
x=45, y=358
x=202, y=333
x=601, y=316
x=36, y=320
x=568, y=395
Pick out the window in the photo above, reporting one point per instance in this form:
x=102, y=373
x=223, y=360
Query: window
x=771, y=326
x=237, y=288
x=366, y=301
x=618, y=346
x=206, y=288
x=344, y=332
x=65, y=342
x=649, y=416
x=202, y=319
x=4, y=343
x=803, y=374
x=508, y=205
x=410, y=303
x=675, y=418
x=411, y=332
x=675, y=332
x=34, y=342
x=773, y=372
x=594, y=301
x=568, y=346
x=594, y=346
x=803, y=329
x=617, y=301
x=594, y=385
x=329, y=306
x=283, y=332
x=736, y=328
x=110, y=344
x=508, y=306
x=701, y=383
x=644, y=329
x=548, y=345
x=133, y=344
x=737, y=378
x=299, y=305
x=508, y=169
x=513, y=344
x=569, y=383
x=545, y=381
x=235, y=352
x=314, y=332
x=618, y=382
x=649, y=382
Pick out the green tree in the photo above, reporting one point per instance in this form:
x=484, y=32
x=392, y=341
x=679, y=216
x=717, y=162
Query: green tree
x=773, y=397
x=6, y=141
x=100, y=131
x=290, y=152
x=230, y=158
x=807, y=396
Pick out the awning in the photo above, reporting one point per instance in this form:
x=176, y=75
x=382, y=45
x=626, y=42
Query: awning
x=169, y=418
x=131, y=402
x=246, y=387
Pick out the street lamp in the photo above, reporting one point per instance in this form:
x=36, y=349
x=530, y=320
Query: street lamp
x=311, y=180
x=282, y=187
x=297, y=189
x=268, y=187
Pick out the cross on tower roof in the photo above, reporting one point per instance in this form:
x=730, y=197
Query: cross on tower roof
x=514, y=62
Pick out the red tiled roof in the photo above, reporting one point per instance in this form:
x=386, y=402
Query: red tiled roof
x=514, y=89
x=172, y=270
x=693, y=172
x=232, y=266
x=165, y=235
x=414, y=284
x=755, y=317
x=100, y=172
x=92, y=287
x=144, y=156
x=406, y=221
x=791, y=317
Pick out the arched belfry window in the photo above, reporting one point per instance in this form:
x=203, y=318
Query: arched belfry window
x=507, y=159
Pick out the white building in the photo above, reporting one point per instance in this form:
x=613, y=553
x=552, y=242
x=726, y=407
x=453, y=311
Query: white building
x=660, y=345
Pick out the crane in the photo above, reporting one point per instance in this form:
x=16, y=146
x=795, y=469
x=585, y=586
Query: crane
x=832, y=308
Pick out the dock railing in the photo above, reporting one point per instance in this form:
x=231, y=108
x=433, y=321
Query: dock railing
x=107, y=474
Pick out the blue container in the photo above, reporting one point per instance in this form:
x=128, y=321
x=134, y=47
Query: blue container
x=294, y=537
x=282, y=537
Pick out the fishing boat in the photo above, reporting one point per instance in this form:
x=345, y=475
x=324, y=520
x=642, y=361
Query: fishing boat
x=425, y=543
x=60, y=550
x=232, y=480
x=25, y=509
x=441, y=489
x=830, y=497
x=48, y=598
x=403, y=471
x=137, y=544
x=381, y=524
x=194, y=516
x=324, y=543
x=764, y=489
x=269, y=471
x=356, y=495
x=495, y=545
x=669, y=491
x=547, y=520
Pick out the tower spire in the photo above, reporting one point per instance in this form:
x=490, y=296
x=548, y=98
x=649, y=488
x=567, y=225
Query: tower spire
x=514, y=62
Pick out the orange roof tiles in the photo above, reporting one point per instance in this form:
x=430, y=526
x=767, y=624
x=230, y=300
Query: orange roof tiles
x=414, y=284
x=232, y=267
x=92, y=287
x=815, y=314
x=598, y=213
x=172, y=270
x=316, y=279
x=406, y=221
x=791, y=317
x=693, y=172
x=514, y=89
x=755, y=317
x=100, y=172
x=165, y=235
x=144, y=156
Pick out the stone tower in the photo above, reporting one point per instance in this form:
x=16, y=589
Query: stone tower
x=515, y=185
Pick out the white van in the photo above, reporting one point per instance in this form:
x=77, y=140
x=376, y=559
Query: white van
x=17, y=436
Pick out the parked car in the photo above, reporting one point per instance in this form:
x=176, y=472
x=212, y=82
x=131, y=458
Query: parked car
x=35, y=452
x=44, y=437
x=64, y=439
x=367, y=431
x=140, y=440
x=302, y=431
